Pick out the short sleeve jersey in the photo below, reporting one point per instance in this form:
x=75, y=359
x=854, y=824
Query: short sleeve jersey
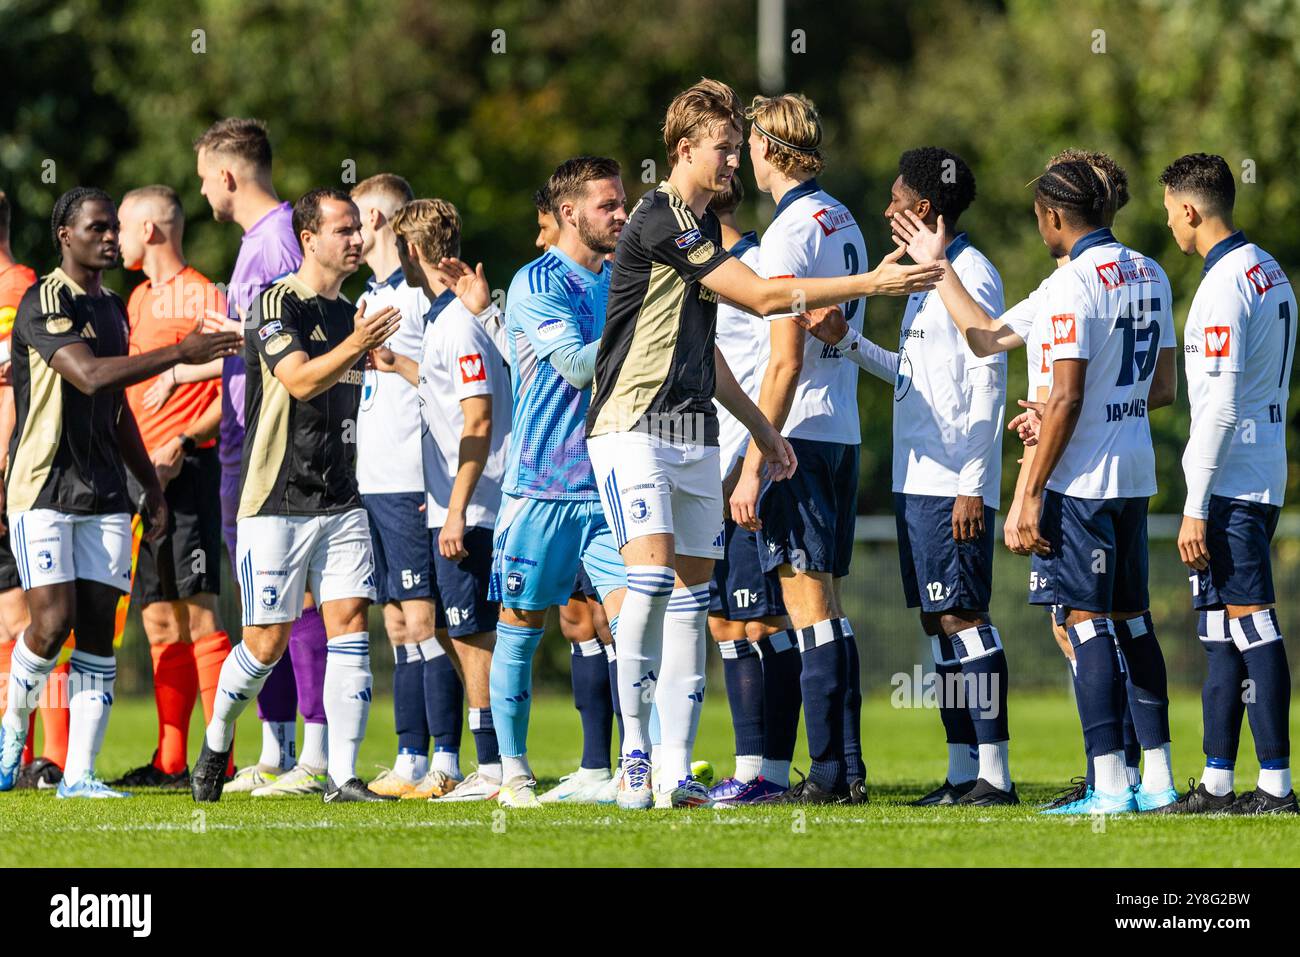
x=1243, y=321
x=1113, y=307
x=389, y=424
x=814, y=235
x=161, y=315
x=744, y=341
x=64, y=451
x=654, y=368
x=938, y=375
x=553, y=302
x=299, y=456
x=459, y=361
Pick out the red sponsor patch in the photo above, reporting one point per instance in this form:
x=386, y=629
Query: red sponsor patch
x=833, y=218
x=1047, y=358
x=1264, y=276
x=472, y=368
x=1218, y=341
x=1065, y=329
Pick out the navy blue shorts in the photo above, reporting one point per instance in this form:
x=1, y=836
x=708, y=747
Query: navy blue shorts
x=741, y=590
x=1098, y=560
x=808, y=520
x=400, y=541
x=1241, y=569
x=582, y=586
x=462, y=587
x=940, y=573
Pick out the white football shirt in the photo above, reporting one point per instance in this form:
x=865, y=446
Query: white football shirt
x=743, y=340
x=945, y=397
x=1111, y=306
x=459, y=360
x=814, y=235
x=388, y=424
x=1243, y=321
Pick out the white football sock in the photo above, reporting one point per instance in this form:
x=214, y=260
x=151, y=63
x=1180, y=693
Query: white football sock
x=1108, y=770
x=347, y=702
x=1134, y=775
x=963, y=763
x=431, y=648
x=242, y=677
x=411, y=765
x=640, y=648
x=28, y=673
x=1218, y=781
x=448, y=762
x=315, y=746
x=279, y=742
x=679, y=694
x=1276, y=782
x=748, y=767
x=993, y=765
x=778, y=772
x=90, y=700
x=1157, y=775
x=513, y=767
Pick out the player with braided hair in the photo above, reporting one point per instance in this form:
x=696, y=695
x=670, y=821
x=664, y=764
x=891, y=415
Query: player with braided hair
x=68, y=504
x=1104, y=326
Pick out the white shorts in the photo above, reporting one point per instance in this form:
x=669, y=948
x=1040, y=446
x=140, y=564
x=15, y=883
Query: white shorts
x=650, y=486
x=52, y=547
x=280, y=556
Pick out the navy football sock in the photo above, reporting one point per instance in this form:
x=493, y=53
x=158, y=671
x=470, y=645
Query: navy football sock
x=485, y=736
x=590, y=673
x=957, y=725
x=742, y=672
x=444, y=702
x=1264, y=654
x=409, y=715
x=1089, y=774
x=782, y=695
x=1100, y=689
x=984, y=674
x=1146, y=684
x=854, y=768
x=1132, y=747
x=823, y=684
x=1223, y=701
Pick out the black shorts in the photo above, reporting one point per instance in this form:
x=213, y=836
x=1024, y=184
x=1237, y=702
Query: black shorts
x=8, y=565
x=188, y=560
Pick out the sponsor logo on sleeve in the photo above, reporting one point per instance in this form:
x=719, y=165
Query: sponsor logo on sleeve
x=1047, y=358
x=1218, y=341
x=832, y=219
x=270, y=329
x=472, y=368
x=1065, y=329
x=57, y=325
x=1124, y=271
x=278, y=343
x=1264, y=276
x=702, y=253
x=687, y=239
x=549, y=328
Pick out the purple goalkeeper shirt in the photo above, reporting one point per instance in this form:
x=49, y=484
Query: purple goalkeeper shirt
x=268, y=251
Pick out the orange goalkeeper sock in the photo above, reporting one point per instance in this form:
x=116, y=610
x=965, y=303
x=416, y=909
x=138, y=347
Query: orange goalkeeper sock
x=55, y=717
x=210, y=653
x=175, y=688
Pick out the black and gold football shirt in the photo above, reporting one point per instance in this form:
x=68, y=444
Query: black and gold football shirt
x=299, y=456
x=654, y=367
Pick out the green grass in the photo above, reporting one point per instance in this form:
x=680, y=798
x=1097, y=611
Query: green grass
x=905, y=757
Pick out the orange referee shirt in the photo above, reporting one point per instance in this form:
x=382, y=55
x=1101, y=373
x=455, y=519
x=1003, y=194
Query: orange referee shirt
x=163, y=315
x=14, y=281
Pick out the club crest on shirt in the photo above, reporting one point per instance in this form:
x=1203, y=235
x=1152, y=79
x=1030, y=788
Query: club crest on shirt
x=702, y=253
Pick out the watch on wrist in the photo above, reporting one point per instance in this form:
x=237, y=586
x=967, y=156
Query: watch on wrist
x=188, y=445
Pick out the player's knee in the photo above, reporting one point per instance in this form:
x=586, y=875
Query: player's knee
x=49, y=629
x=162, y=623
x=528, y=618
x=959, y=619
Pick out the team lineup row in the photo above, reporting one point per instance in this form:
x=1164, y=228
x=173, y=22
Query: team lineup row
x=660, y=435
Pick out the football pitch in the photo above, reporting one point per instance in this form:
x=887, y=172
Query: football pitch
x=905, y=757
